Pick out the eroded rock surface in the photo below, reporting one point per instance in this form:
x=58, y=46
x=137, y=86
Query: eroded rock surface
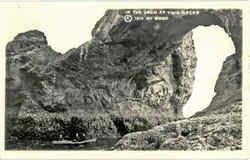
x=221, y=130
x=129, y=77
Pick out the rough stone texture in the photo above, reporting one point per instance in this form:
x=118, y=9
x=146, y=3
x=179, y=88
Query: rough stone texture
x=229, y=20
x=129, y=77
x=27, y=56
x=221, y=130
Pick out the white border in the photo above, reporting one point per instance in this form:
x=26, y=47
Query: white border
x=141, y=154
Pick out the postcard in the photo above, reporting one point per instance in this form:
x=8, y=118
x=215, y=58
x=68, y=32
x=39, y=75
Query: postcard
x=118, y=80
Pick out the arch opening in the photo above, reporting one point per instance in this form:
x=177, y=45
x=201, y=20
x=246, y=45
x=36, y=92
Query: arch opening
x=212, y=46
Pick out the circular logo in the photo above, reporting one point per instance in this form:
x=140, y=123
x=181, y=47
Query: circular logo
x=128, y=18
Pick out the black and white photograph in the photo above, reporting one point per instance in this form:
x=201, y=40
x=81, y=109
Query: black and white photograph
x=131, y=79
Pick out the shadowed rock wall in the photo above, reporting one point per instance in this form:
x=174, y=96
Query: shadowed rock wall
x=128, y=77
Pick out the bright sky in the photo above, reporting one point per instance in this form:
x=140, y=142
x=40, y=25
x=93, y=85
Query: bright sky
x=212, y=46
x=63, y=26
x=66, y=28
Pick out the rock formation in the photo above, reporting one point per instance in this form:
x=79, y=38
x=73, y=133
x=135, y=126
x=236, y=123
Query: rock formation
x=129, y=77
x=220, y=130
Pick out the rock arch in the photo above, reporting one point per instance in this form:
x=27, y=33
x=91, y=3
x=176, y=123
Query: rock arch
x=158, y=57
x=112, y=29
x=212, y=46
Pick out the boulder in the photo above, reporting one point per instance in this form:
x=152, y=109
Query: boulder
x=129, y=77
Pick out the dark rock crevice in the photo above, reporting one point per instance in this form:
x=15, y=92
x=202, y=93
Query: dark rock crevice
x=146, y=74
x=121, y=128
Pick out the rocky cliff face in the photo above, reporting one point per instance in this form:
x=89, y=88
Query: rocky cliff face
x=218, y=130
x=27, y=55
x=129, y=77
